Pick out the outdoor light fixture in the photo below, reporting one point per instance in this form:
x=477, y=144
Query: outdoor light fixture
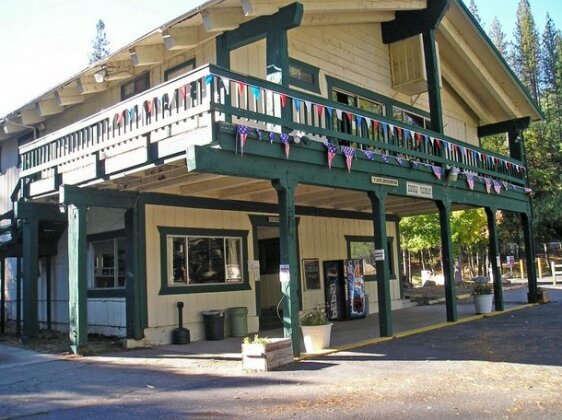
x=452, y=174
x=105, y=74
x=100, y=75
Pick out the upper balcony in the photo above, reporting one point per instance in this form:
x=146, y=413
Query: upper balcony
x=157, y=127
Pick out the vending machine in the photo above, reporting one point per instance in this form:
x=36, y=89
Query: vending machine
x=344, y=288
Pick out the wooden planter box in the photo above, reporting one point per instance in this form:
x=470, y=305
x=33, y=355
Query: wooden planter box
x=274, y=353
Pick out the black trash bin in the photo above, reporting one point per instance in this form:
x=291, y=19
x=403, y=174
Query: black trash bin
x=214, y=324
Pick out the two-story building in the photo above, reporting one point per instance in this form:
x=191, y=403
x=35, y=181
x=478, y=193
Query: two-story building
x=206, y=160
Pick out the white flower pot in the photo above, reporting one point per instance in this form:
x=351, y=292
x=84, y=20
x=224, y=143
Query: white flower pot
x=483, y=303
x=316, y=337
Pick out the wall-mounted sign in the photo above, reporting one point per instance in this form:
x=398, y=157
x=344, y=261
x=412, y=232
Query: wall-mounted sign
x=419, y=190
x=379, y=254
x=273, y=219
x=284, y=273
x=311, y=270
x=384, y=181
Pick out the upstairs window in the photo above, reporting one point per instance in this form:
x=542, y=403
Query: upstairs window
x=303, y=75
x=179, y=70
x=411, y=118
x=137, y=85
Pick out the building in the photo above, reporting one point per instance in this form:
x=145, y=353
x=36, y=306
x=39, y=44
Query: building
x=246, y=131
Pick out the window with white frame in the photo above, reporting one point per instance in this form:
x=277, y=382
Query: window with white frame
x=196, y=259
x=107, y=263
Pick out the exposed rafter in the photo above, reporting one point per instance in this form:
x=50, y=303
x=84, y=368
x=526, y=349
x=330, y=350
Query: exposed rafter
x=255, y=8
x=180, y=38
x=215, y=20
x=29, y=116
x=145, y=55
x=87, y=84
x=48, y=107
x=69, y=95
x=348, y=17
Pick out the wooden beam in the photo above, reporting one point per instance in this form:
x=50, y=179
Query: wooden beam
x=87, y=84
x=69, y=95
x=347, y=17
x=504, y=127
x=227, y=19
x=364, y=5
x=180, y=38
x=145, y=55
x=208, y=187
x=48, y=107
x=13, y=127
x=29, y=116
x=37, y=211
x=413, y=22
x=86, y=197
x=254, y=8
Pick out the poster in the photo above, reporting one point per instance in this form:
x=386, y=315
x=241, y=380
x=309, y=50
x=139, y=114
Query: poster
x=311, y=270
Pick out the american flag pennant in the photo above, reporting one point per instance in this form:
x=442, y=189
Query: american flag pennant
x=339, y=114
x=283, y=100
x=271, y=136
x=226, y=83
x=319, y=110
x=385, y=158
x=497, y=186
x=256, y=92
x=369, y=154
x=284, y=137
x=400, y=161
x=470, y=181
x=488, y=183
x=258, y=133
x=414, y=164
x=398, y=131
x=297, y=103
x=242, y=134
x=332, y=150
x=437, y=171
x=349, y=153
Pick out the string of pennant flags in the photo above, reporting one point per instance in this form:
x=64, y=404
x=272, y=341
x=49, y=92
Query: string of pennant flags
x=179, y=96
x=350, y=153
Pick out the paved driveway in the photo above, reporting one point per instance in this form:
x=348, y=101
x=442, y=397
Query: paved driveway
x=507, y=366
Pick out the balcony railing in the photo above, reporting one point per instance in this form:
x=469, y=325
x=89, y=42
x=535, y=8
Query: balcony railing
x=209, y=94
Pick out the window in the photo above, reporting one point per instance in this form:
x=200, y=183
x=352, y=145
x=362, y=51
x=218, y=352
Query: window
x=213, y=258
x=137, y=85
x=363, y=247
x=303, y=75
x=107, y=263
x=410, y=118
x=179, y=70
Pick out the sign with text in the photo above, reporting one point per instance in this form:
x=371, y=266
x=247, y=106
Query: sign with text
x=384, y=181
x=284, y=275
x=379, y=254
x=419, y=190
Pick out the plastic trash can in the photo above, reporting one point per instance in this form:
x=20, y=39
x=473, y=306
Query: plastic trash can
x=238, y=321
x=214, y=324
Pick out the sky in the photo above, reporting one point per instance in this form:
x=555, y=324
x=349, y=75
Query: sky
x=45, y=42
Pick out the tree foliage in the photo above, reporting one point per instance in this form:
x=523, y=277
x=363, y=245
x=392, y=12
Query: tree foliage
x=100, y=44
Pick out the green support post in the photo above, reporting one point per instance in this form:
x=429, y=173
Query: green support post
x=77, y=271
x=530, y=257
x=30, y=274
x=134, y=329
x=288, y=260
x=18, y=296
x=433, y=80
x=382, y=265
x=495, y=260
x=48, y=286
x=2, y=296
x=448, y=262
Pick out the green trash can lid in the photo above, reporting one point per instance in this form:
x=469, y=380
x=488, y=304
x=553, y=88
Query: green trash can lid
x=213, y=312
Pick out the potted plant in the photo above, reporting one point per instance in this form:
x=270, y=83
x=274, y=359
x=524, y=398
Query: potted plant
x=264, y=354
x=316, y=329
x=483, y=297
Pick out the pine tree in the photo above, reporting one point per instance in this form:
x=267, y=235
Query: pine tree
x=498, y=37
x=550, y=55
x=100, y=45
x=527, y=49
x=474, y=10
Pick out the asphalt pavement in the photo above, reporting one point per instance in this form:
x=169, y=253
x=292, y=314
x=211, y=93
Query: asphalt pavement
x=504, y=366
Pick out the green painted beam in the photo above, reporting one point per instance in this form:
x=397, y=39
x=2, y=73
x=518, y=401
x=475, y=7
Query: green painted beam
x=413, y=22
x=38, y=211
x=515, y=124
x=2, y=295
x=495, y=259
x=77, y=279
x=377, y=198
x=448, y=260
x=433, y=80
x=288, y=261
x=48, y=287
x=30, y=274
x=530, y=257
x=91, y=197
x=18, y=296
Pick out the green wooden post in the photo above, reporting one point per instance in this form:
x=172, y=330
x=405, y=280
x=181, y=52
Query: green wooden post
x=133, y=304
x=18, y=296
x=30, y=274
x=495, y=260
x=383, y=269
x=448, y=262
x=48, y=286
x=433, y=82
x=77, y=284
x=2, y=295
x=530, y=257
x=288, y=260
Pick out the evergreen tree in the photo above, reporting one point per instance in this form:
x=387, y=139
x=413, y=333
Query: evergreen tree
x=100, y=45
x=498, y=37
x=527, y=49
x=550, y=55
x=474, y=10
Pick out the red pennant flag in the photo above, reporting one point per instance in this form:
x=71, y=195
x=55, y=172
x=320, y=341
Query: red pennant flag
x=399, y=131
x=320, y=110
x=182, y=91
x=418, y=137
x=149, y=105
x=349, y=116
x=283, y=100
x=241, y=88
x=376, y=124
